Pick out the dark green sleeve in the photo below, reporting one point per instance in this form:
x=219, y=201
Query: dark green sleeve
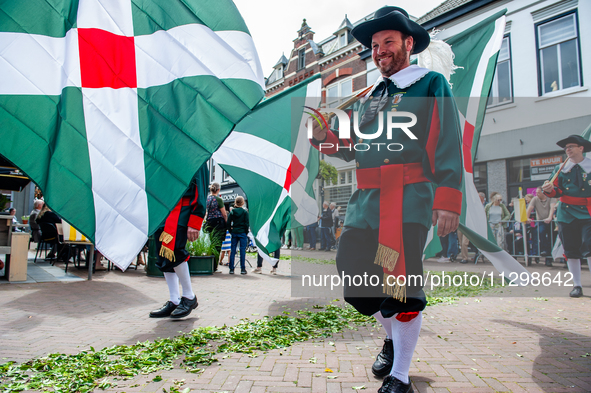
x=220, y=202
x=444, y=147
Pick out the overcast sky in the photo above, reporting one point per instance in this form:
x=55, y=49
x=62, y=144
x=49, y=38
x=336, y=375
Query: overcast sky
x=273, y=24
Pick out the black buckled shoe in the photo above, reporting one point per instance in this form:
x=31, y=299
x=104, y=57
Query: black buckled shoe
x=576, y=292
x=383, y=364
x=394, y=385
x=164, y=311
x=185, y=307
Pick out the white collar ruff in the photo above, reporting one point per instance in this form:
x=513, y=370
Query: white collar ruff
x=403, y=78
x=585, y=164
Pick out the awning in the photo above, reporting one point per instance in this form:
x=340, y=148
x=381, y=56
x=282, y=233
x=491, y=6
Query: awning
x=11, y=178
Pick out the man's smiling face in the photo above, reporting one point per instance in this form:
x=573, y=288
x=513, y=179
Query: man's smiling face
x=391, y=51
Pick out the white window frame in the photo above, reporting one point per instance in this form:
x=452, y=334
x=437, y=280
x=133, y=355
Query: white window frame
x=339, y=98
x=576, y=37
x=493, y=99
x=301, y=59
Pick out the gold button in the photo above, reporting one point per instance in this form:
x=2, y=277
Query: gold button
x=568, y=179
x=394, y=109
x=363, y=189
x=360, y=140
x=386, y=161
x=357, y=165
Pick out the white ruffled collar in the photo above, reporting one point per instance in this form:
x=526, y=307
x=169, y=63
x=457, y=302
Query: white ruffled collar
x=403, y=78
x=585, y=164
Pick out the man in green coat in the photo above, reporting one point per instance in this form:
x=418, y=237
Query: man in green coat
x=409, y=177
x=573, y=187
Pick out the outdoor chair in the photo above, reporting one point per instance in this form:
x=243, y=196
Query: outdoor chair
x=49, y=238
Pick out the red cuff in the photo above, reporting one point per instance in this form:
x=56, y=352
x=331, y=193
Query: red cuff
x=195, y=222
x=553, y=193
x=449, y=199
x=329, y=146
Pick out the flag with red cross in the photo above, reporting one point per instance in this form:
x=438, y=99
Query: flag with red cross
x=111, y=106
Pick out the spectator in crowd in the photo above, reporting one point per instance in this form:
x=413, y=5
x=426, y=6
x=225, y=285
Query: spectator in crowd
x=226, y=247
x=482, y=198
x=297, y=236
x=259, y=268
x=312, y=234
x=325, y=226
x=35, y=229
x=495, y=213
x=464, y=243
x=46, y=216
x=215, y=223
x=238, y=224
x=544, y=210
x=336, y=218
x=449, y=246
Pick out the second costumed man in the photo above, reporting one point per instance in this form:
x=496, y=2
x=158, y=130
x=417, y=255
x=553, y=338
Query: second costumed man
x=400, y=193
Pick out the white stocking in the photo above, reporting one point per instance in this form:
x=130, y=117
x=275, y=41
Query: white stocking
x=173, y=287
x=182, y=271
x=574, y=266
x=405, y=336
x=386, y=323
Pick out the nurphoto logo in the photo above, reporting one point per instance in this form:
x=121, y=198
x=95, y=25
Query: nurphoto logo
x=394, y=120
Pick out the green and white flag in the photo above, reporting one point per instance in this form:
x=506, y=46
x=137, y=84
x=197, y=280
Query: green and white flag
x=111, y=106
x=274, y=166
x=476, y=50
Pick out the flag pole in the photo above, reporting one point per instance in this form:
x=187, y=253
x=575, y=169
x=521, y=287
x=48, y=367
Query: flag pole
x=524, y=231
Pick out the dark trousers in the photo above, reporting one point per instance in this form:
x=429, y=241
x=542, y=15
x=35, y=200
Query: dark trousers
x=576, y=238
x=312, y=235
x=180, y=253
x=355, y=257
x=276, y=254
x=325, y=238
x=243, y=239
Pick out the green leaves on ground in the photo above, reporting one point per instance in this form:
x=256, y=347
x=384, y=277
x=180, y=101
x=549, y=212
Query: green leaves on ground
x=91, y=369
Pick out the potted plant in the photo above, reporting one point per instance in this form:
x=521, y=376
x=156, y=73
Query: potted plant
x=203, y=254
x=25, y=219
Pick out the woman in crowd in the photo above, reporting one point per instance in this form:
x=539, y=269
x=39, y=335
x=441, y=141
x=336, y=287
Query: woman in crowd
x=238, y=224
x=215, y=224
x=495, y=213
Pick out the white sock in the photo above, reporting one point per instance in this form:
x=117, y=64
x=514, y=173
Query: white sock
x=589, y=264
x=386, y=323
x=405, y=336
x=574, y=266
x=182, y=271
x=173, y=287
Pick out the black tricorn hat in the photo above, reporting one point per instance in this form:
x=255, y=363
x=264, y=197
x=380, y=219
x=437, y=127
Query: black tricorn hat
x=392, y=18
x=579, y=140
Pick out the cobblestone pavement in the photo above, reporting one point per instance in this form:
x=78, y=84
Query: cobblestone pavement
x=485, y=344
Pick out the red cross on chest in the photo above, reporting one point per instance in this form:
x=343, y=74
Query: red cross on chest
x=106, y=59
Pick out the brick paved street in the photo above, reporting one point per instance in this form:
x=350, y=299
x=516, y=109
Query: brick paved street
x=484, y=344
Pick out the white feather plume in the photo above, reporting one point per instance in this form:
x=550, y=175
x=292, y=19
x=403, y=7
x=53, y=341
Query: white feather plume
x=438, y=57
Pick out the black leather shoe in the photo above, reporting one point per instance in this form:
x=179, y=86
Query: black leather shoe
x=185, y=307
x=231, y=271
x=576, y=292
x=394, y=385
x=164, y=311
x=383, y=364
x=243, y=271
